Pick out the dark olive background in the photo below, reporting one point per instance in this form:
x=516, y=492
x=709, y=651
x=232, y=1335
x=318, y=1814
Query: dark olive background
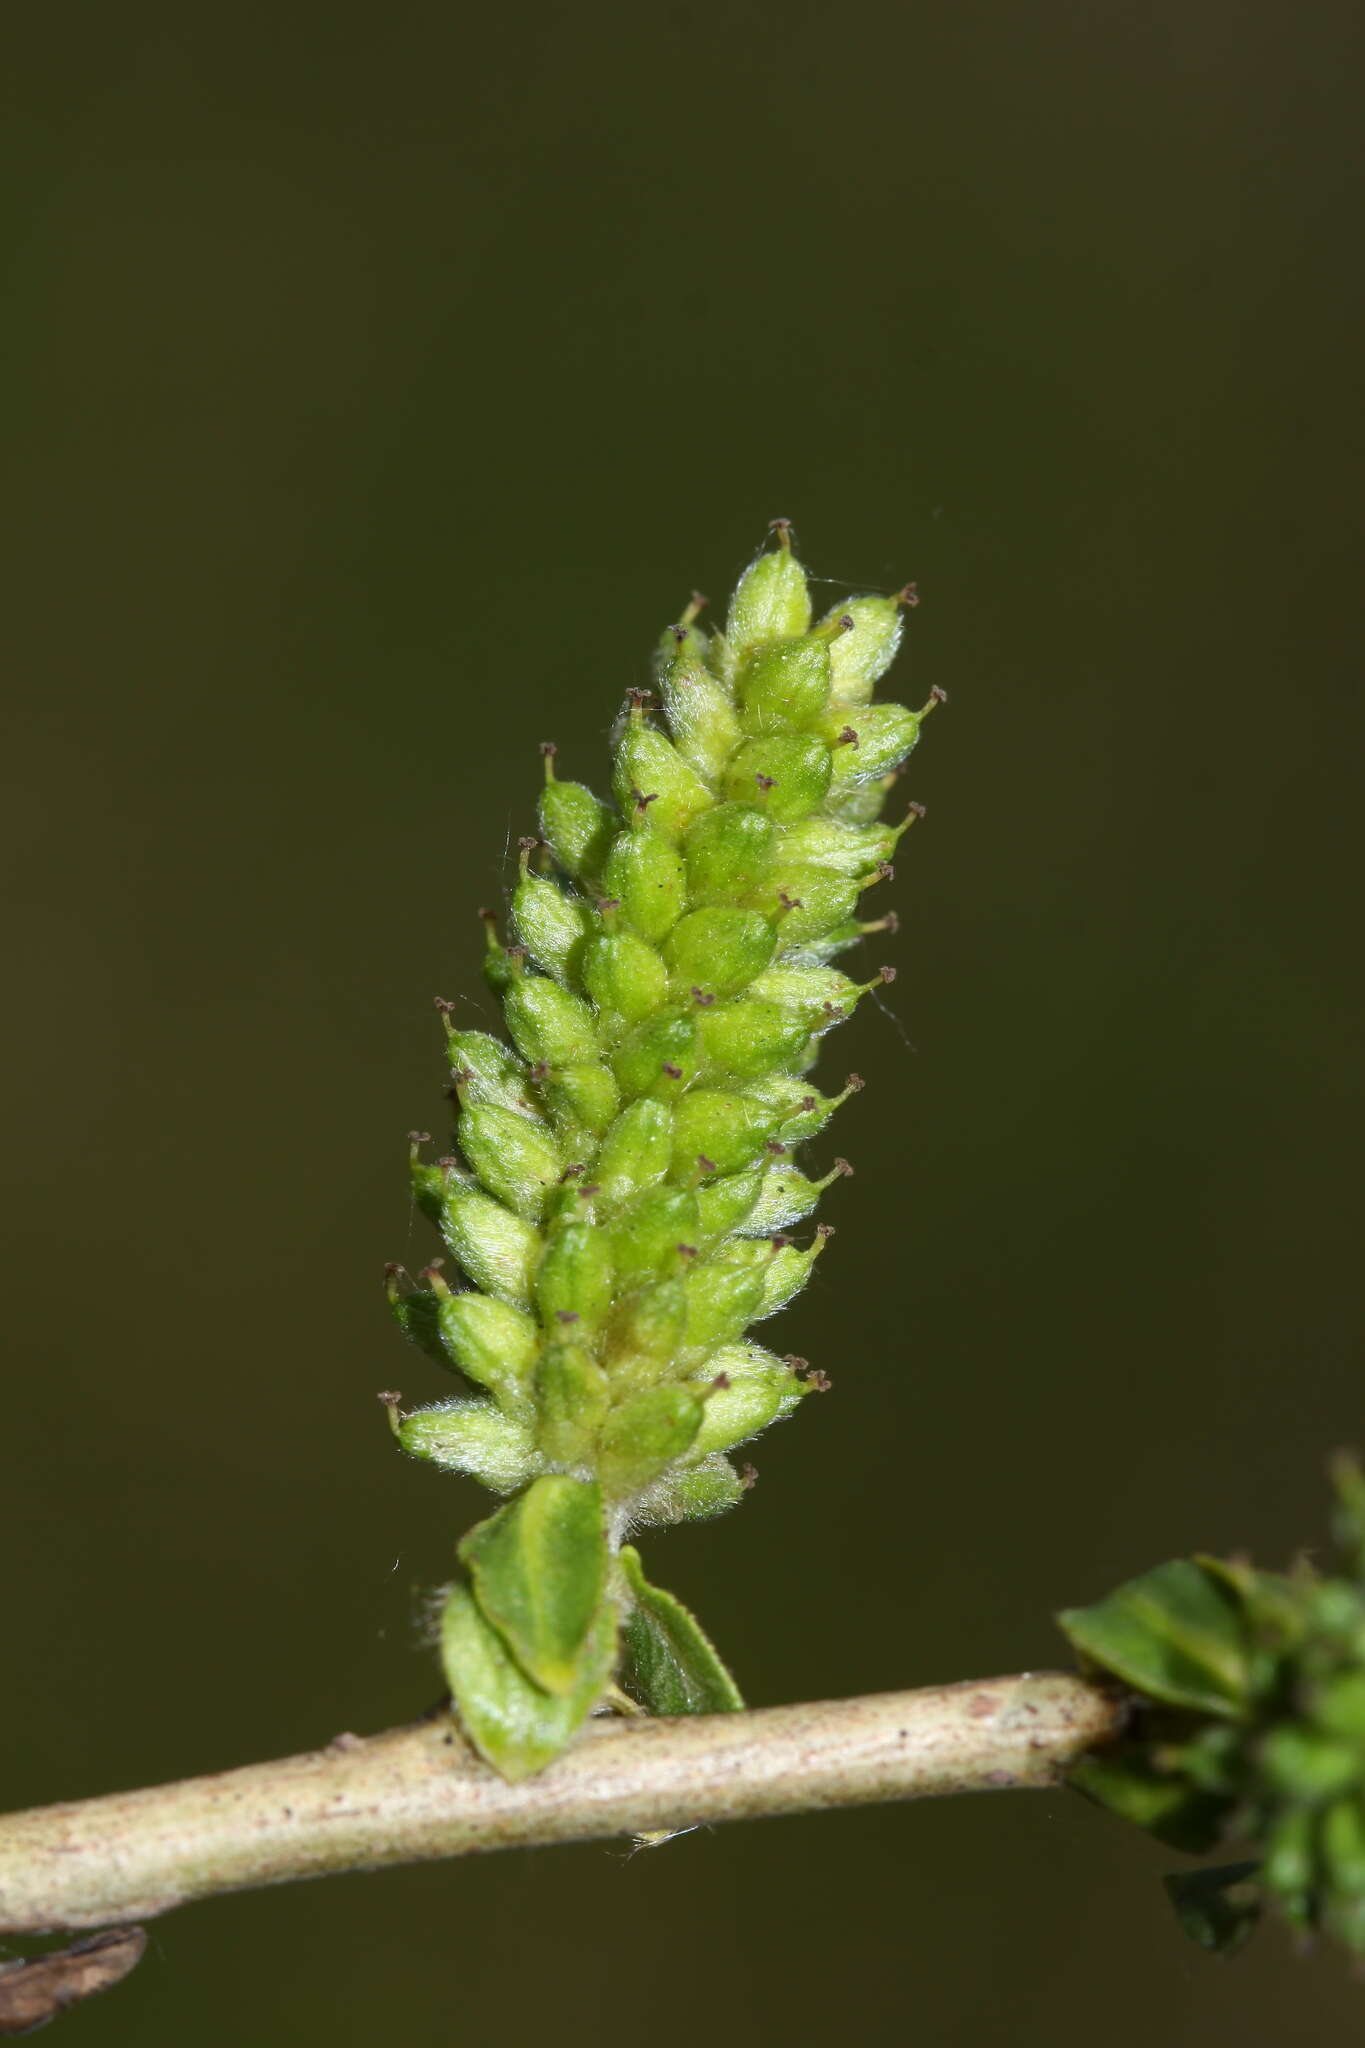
x=383, y=381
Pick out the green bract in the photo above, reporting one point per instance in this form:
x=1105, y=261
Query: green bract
x=622, y=1171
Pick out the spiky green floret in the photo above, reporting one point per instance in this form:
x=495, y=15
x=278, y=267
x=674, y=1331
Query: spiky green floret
x=624, y=1171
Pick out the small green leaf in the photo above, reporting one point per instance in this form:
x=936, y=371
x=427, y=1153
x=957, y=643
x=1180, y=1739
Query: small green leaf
x=516, y=1726
x=1273, y=1602
x=1163, y=1805
x=1175, y=1634
x=539, y=1567
x=670, y=1665
x=1218, y=1909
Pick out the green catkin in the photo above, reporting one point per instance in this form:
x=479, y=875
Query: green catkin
x=1250, y=1728
x=624, y=1175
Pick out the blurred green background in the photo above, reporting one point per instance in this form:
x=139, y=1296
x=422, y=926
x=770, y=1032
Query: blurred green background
x=380, y=382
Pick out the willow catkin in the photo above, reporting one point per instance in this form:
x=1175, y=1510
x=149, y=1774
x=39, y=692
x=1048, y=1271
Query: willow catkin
x=626, y=1177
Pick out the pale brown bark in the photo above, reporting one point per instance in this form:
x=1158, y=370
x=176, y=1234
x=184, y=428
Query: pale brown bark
x=418, y=1793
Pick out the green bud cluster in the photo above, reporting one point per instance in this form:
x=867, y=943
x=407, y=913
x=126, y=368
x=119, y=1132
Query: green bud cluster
x=1249, y=1729
x=622, y=1181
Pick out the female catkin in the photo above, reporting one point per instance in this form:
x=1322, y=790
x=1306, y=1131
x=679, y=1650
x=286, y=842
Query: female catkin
x=624, y=1178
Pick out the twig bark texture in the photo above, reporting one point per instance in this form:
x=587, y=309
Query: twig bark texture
x=416, y=1794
